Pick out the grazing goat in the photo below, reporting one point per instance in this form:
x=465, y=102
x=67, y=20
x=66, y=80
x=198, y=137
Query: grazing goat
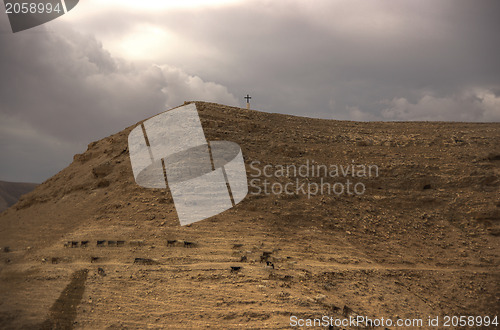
x=137, y=243
x=265, y=256
x=269, y=264
x=188, y=244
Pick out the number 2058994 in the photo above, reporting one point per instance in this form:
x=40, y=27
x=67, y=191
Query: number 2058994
x=32, y=8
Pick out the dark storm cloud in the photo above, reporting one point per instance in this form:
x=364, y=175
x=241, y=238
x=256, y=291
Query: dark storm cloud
x=61, y=90
x=340, y=59
x=330, y=58
x=343, y=59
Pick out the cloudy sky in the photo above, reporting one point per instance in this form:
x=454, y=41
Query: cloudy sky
x=110, y=63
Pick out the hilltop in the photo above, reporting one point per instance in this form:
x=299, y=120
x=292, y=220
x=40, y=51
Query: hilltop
x=422, y=240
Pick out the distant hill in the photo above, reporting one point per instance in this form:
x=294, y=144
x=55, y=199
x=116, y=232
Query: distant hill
x=11, y=191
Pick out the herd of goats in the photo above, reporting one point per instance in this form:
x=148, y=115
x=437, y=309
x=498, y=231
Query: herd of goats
x=264, y=258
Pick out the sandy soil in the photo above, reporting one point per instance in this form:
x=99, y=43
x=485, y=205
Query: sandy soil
x=423, y=240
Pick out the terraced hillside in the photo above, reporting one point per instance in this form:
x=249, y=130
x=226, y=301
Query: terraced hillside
x=90, y=249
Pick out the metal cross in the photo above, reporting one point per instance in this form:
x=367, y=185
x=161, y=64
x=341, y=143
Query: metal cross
x=248, y=97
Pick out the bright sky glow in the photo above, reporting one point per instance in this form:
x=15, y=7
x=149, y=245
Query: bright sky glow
x=148, y=5
x=144, y=43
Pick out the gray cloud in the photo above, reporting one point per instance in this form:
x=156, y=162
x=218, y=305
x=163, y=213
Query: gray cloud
x=297, y=57
x=300, y=58
x=469, y=105
x=61, y=90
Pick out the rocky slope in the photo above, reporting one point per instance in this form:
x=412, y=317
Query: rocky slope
x=422, y=240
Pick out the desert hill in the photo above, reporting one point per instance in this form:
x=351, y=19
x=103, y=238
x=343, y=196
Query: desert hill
x=422, y=240
x=11, y=191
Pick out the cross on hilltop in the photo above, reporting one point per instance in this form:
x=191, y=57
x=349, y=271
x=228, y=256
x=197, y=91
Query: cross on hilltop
x=248, y=97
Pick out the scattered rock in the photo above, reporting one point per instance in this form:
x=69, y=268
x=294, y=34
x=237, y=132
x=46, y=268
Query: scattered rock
x=103, y=183
x=102, y=170
x=145, y=261
x=320, y=298
x=494, y=156
x=346, y=311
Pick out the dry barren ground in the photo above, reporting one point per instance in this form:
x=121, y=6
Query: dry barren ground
x=423, y=240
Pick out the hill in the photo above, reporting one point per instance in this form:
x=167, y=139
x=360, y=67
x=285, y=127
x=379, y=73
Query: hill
x=11, y=191
x=421, y=240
